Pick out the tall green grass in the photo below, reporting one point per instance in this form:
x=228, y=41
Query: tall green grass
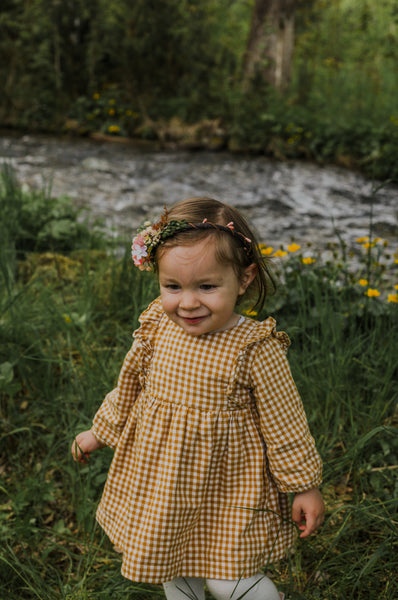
x=67, y=311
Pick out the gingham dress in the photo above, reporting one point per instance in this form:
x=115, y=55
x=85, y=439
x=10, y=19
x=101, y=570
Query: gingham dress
x=210, y=435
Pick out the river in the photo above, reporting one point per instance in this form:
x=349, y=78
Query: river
x=125, y=183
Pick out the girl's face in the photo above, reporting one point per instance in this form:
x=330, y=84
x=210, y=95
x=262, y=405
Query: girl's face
x=198, y=293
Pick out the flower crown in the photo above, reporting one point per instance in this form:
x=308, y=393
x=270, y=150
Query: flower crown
x=149, y=237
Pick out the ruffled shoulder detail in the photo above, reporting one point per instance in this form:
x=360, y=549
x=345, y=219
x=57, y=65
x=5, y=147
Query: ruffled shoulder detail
x=144, y=337
x=261, y=330
x=149, y=320
x=258, y=331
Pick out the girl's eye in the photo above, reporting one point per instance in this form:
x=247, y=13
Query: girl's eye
x=172, y=287
x=207, y=286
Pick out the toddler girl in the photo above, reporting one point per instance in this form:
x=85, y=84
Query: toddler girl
x=209, y=431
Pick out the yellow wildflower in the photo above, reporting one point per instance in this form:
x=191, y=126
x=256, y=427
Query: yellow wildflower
x=113, y=128
x=111, y=102
x=372, y=293
x=111, y=111
x=67, y=318
x=308, y=260
x=266, y=251
x=369, y=244
x=279, y=253
x=96, y=96
x=129, y=113
x=395, y=287
x=294, y=247
x=392, y=298
x=251, y=313
x=361, y=240
x=363, y=282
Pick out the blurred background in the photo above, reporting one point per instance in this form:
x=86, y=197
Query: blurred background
x=290, y=78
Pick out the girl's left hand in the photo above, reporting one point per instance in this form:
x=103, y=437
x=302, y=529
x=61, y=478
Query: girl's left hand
x=308, y=511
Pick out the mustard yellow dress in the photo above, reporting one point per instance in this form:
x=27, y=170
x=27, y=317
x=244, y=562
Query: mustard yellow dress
x=209, y=435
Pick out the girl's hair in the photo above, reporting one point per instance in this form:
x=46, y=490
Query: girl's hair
x=229, y=249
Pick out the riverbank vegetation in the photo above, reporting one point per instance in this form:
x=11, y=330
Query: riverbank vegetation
x=176, y=72
x=69, y=302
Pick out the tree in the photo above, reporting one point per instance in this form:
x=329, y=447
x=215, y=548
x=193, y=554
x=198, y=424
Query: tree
x=270, y=43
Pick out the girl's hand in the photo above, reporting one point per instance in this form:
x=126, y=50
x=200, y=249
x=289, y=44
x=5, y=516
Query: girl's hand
x=83, y=445
x=308, y=511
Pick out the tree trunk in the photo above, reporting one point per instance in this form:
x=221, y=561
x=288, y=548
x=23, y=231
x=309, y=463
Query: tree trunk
x=269, y=49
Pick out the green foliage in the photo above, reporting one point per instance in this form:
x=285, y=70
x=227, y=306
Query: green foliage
x=65, y=325
x=62, y=63
x=159, y=55
x=36, y=221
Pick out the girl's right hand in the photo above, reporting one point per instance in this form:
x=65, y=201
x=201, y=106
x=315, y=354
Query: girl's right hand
x=83, y=445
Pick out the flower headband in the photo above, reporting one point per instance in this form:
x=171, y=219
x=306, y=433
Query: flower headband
x=150, y=237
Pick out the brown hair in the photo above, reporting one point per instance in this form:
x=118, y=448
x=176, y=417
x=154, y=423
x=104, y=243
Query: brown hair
x=229, y=248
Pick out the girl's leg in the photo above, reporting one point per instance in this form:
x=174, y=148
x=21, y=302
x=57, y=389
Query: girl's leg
x=185, y=588
x=258, y=587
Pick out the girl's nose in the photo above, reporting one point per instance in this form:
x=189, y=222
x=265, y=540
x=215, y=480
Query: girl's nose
x=189, y=301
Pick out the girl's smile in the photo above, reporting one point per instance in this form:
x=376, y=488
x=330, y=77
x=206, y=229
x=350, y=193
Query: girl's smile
x=199, y=293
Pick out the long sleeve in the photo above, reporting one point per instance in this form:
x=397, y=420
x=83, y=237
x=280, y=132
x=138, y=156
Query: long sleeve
x=112, y=415
x=293, y=459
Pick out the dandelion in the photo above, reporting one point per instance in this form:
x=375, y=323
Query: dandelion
x=395, y=287
x=251, y=313
x=372, y=293
x=113, y=129
x=279, y=253
x=361, y=240
x=363, y=282
x=111, y=111
x=266, y=251
x=67, y=318
x=293, y=247
x=96, y=96
x=308, y=260
x=369, y=244
x=392, y=298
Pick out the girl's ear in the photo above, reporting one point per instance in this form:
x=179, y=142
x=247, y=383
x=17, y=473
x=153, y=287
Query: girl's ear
x=248, y=275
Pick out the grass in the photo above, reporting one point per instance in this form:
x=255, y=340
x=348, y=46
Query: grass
x=67, y=310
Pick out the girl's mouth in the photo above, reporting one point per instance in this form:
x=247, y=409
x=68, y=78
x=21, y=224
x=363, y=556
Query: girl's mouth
x=193, y=320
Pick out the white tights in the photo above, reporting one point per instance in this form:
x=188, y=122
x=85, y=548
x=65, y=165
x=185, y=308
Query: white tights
x=258, y=587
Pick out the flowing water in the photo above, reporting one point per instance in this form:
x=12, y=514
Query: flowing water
x=127, y=183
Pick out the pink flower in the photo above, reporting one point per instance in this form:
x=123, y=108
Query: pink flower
x=138, y=251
